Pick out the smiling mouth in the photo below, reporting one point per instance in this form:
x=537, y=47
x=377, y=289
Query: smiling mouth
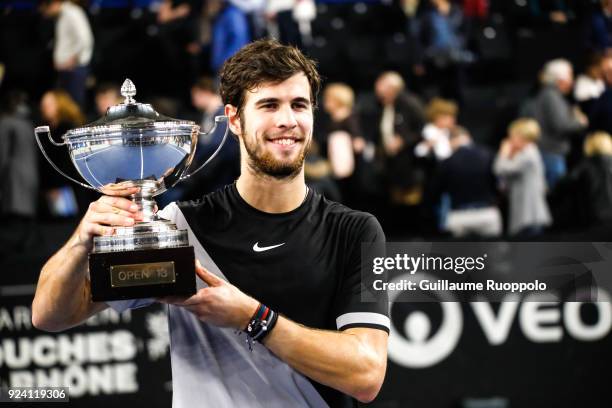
x=285, y=140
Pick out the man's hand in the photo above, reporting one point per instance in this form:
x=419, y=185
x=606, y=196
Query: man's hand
x=104, y=214
x=221, y=303
x=352, y=361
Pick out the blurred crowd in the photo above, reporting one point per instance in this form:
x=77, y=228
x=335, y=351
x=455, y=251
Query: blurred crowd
x=389, y=135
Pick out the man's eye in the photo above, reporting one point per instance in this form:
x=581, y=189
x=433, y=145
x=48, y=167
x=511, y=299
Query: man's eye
x=269, y=106
x=299, y=106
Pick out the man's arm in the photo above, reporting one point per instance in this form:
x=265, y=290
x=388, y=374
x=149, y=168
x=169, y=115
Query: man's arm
x=353, y=361
x=62, y=298
x=561, y=117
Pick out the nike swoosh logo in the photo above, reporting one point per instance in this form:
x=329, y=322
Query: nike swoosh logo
x=257, y=248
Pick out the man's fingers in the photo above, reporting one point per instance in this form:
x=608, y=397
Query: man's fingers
x=116, y=191
x=106, y=208
x=111, y=219
x=97, y=229
x=121, y=203
x=209, y=278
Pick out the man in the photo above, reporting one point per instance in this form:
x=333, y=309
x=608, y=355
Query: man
x=600, y=28
x=73, y=46
x=19, y=168
x=271, y=237
x=400, y=120
x=230, y=31
x=600, y=115
x=468, y=179
x=558, y=120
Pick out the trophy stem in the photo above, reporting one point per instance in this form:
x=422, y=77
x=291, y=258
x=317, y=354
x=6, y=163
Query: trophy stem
x=146, y=205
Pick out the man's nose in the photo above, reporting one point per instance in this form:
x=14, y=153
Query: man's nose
x=286, y=118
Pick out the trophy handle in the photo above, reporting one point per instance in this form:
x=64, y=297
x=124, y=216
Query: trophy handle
x=212, y=156
x=45, y=129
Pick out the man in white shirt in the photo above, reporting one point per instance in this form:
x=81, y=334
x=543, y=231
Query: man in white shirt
x=73, y=46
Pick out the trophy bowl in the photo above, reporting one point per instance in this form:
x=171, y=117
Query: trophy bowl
x=135, y=146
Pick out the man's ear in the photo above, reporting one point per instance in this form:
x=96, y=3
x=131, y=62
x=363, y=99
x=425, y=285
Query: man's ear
x=234, y=120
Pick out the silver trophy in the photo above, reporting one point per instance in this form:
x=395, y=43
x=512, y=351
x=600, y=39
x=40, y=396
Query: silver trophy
x=135, y=146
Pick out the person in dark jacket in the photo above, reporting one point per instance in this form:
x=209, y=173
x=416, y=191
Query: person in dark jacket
x=600, y=115
x=592, y=181
x=600, y=28
x=19, y=169
x=467, y=177
x=400, y=122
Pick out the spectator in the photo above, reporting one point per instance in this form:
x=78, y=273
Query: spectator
x=442, y=34
x=107, y=95
x=207, y=102
x=590, y=84
x=466, y=176
x=400, y=120
x=230, y=33
x=73, y=46
x=589, y=185
x=19, y=169
x=595, y=177
x=600, y=115
x=435, y=147
x=283, y=26
x=520, y=164
x=600, y=34
x=61, y=113
x=255, y=13
x=178, y=31
x=442, y=116
x=348, y=153
x=224, y=168
x=558, y=120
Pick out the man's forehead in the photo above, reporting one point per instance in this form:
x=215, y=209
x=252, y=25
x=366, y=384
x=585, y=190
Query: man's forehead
x=296, y=86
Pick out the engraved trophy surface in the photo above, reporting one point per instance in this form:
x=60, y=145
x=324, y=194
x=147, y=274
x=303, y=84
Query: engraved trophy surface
x=135, y=146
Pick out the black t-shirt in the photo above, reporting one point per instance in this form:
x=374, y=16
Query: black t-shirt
x=305, y=264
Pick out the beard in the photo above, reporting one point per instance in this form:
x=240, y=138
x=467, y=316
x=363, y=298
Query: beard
x=262, y=161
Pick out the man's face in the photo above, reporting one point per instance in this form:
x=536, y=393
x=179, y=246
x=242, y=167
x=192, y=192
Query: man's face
x=276, y=126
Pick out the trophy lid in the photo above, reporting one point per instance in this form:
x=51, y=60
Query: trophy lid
x=131, y=116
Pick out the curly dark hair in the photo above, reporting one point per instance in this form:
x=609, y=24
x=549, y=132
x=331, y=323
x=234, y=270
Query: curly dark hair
x=260, y=62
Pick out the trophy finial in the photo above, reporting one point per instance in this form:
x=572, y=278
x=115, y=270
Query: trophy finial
x=128, y=90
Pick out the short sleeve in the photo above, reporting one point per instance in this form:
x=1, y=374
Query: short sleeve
x=168, y=213
x=357, y=304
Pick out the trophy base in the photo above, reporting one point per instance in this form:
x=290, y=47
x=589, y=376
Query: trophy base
x=143, y=273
